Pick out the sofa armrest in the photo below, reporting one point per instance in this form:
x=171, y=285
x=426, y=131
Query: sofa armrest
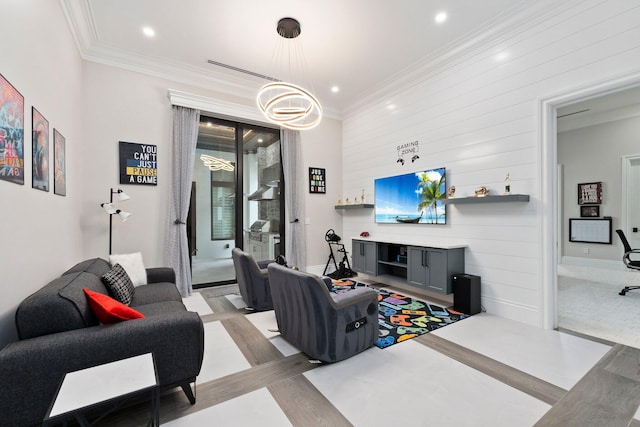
x=161, y=274
x=31, y=370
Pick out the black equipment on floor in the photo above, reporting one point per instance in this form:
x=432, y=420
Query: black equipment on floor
x=344, y=269
x=466, y=293
x=633, y=264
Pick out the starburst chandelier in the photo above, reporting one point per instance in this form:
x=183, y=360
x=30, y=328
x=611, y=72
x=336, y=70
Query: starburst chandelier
x=287, y=104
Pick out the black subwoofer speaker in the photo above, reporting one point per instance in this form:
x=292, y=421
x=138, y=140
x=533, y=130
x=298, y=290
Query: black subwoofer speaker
x=466, y=293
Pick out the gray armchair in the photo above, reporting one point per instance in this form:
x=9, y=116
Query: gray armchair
x=253, y=280
x=327, y=326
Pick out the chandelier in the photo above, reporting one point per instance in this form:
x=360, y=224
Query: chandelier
x=287, y=104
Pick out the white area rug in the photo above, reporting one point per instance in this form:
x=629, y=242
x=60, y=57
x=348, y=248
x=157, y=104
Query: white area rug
x=596, y=309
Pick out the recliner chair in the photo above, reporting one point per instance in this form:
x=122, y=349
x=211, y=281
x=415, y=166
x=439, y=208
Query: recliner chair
x=633, y=264
x=253, y=280
x=327, y=326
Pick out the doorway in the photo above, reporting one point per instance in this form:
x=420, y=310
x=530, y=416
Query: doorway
x=237, y=180
x=551, y=218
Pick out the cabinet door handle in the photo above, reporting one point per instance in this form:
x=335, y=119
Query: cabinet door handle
x=424, y=259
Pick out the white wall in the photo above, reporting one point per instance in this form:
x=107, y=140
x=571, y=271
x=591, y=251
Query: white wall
x=128, y=106
x=593, y=154
x=322, y=148
x=39, y=231
x=480, y=118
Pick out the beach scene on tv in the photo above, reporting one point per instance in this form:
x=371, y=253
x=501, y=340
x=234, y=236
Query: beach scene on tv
x=414, y=198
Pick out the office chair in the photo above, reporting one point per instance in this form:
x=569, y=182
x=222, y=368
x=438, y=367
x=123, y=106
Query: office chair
x=633, y=264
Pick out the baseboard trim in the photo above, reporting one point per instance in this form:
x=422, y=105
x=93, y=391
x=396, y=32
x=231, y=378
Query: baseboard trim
x=593, y=263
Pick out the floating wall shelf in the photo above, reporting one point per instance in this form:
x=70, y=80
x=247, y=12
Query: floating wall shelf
x=488, y=199
x=359, y=206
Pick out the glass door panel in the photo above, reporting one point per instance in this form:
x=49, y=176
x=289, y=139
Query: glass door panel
x=214, y=175
x=236, y=198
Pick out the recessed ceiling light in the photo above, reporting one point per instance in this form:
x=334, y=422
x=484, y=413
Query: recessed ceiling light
x=501, y=56
x=148, y=31
x=441, y=17
x=335, y=89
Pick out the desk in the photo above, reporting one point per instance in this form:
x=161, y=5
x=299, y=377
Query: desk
x=105, y=384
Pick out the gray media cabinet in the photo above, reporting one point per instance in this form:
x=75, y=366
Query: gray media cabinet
x=425, y=267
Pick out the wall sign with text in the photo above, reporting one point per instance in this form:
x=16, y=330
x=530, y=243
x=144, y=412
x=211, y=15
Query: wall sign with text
x=138, y=163
x=317, y=180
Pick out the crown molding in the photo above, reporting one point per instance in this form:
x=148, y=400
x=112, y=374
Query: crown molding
x=493, y=34
x=79, y=15
x=219, y=107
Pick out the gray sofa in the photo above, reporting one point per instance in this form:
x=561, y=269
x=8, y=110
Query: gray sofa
x=58, y=333
x=327, y=326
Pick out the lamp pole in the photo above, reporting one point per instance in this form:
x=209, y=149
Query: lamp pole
x=110, y=219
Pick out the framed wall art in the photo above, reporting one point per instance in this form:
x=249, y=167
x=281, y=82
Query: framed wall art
x=59, y=166
x=589, y=211
x=317, y=180
x=138, y=163
x=11, y=133
x=40, y=150
x=590, y=193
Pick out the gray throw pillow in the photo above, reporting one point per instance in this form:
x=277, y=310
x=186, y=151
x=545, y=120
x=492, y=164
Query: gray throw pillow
x=119, y=284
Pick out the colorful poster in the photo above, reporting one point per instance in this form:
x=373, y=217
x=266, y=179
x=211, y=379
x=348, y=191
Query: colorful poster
x=40, y=149
x=11, y=133
x=59, y=166
x=138, y=163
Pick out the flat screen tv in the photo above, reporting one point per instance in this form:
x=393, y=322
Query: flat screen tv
x=414, y=198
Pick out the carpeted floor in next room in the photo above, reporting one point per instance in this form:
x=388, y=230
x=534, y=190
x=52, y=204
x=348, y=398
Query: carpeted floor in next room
x=481, y=371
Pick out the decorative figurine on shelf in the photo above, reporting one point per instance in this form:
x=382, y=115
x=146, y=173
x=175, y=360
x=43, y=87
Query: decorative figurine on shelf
x=482, y=191
x=364, y=234
x=346, y=201
x=451, y=192
x=507, y=184
x=362, y=197
x=339, y=202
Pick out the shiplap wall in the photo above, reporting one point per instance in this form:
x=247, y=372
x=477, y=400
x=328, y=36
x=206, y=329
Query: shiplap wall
x=480, y=118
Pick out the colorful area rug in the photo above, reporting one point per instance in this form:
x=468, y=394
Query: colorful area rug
x=400, y=317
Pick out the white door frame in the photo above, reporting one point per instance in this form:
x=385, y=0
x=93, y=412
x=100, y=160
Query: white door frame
x=626, y=165
x=548, y=189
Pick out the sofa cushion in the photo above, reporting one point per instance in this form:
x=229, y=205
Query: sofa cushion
x=59, y=306
x=155, y=292
x=95, y=266
x=119, y=284
x=108, y=310
x=133, y=265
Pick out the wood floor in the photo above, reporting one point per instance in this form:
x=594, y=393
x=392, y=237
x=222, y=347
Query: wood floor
x=608, y=395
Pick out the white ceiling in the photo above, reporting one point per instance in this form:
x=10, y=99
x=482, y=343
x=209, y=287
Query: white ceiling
x=357, y=45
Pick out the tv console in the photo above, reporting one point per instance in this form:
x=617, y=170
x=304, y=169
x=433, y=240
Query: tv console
x=430, y=266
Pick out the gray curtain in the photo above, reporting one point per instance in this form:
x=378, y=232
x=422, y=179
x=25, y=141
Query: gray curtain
x=294, y=179
x=185, y=137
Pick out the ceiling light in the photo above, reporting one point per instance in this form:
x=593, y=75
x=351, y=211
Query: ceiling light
x=216, y=164
x=148, y=31
x=284, y=103
x=501, y=56
x=441, y=17
x=335, y=89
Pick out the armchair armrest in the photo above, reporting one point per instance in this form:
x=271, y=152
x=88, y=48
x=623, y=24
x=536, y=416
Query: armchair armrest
x=264, y=263
x=161, y=274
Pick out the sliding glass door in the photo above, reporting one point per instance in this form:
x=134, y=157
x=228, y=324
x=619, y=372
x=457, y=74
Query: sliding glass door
x=236, y=198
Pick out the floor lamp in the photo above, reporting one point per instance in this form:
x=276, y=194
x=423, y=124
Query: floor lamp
x=112, y=210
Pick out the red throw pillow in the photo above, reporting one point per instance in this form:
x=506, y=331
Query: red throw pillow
x=108, y=310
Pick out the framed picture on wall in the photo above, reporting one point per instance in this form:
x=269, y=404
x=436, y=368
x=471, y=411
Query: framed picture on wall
x=59, y=165
x=590, y=193
x=317, y=180
x=11, y=133
x=40, y=151
x=589, y=211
